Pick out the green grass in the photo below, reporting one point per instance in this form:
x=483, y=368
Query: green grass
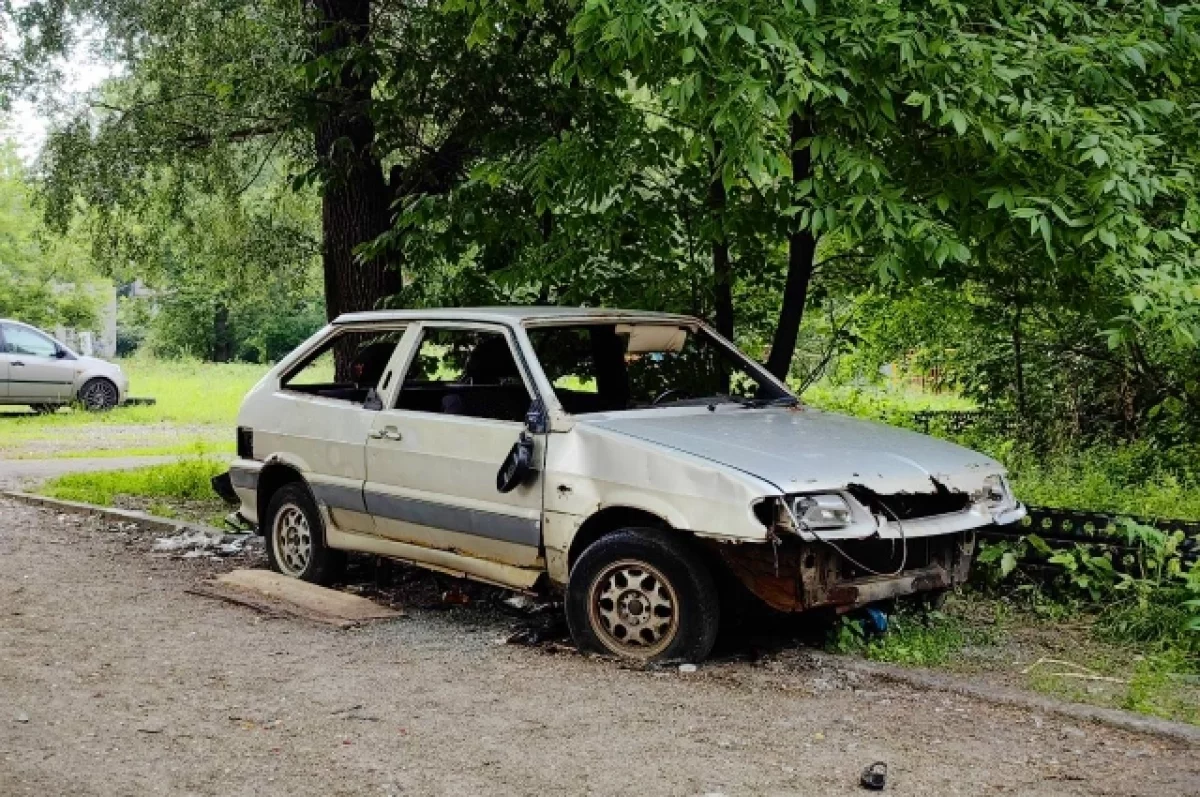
x=915, y=638
x=1133, y=480
x=187, y=392
x=186, y=480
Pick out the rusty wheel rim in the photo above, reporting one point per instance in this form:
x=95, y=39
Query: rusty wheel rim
x=633, y=609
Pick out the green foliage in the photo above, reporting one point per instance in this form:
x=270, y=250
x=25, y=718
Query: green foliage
x=42, y=282
x=187, y=479
x=1146, y=595
x=916, y=638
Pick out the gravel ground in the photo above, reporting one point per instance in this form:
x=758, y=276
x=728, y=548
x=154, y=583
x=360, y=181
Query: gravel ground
x=115, y=681
x=61, y=441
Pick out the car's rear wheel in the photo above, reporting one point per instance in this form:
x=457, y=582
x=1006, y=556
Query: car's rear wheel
x=641, y=595
x=98, y=394
x=296, y=537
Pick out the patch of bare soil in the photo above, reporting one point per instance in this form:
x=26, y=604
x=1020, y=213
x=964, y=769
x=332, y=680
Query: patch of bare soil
x=115, y=681
x=62, y=441
x=210, y=511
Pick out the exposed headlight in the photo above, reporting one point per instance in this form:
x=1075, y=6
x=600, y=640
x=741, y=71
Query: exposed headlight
x=821, y=511
x=996, y=492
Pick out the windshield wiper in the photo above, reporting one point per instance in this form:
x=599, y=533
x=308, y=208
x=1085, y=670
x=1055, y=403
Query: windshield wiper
x=781, y=401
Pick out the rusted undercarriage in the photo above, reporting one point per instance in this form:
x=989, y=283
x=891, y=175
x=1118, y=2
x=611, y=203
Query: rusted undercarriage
x=795, y=575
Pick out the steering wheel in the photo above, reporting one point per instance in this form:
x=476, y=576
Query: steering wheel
x=669, y=391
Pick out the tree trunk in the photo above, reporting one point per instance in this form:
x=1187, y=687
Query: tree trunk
x=802, y=248
x=1018, y=363
x=722, y=272
x=355, y=205
x=222, y=349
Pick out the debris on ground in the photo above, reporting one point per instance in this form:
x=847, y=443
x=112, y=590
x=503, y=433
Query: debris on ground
x=194, y=543
x=874, y=777
x=455, y=597
x=687, y=669
x=528, y=605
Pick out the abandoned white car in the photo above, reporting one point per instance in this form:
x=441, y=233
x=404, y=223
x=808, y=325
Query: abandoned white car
x=630, y=461
x=37, y=370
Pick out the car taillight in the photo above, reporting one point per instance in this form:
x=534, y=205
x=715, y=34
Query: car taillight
x=245, y=442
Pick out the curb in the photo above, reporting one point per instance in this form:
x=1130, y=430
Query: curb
x=1016, y=698
x=166, y=525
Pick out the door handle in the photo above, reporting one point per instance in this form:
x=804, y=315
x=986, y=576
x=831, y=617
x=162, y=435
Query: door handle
x=18, y=362
x=387, y=433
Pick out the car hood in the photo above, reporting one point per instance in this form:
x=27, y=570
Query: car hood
x=802, y=449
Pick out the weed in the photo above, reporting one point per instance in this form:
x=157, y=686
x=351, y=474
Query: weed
x=914, y=637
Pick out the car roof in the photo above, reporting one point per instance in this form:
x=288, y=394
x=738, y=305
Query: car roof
x=509, y=315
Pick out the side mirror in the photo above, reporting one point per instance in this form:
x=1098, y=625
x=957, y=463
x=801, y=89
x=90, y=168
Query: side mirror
x=60, y=353
x=517, y=465
x=536, y=420
x=373, y=402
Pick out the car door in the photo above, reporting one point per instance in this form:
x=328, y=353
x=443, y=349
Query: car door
x=3, y=369
x=432, y=458
x=321, y=417
x=35, y=371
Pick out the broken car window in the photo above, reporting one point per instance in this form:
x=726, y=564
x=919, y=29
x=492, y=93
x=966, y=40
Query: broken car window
x=612, y=367
x=465, y=372
x=364, y=358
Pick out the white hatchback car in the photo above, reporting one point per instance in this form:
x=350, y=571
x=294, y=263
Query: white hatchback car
x=37, y=370
x=630, y=461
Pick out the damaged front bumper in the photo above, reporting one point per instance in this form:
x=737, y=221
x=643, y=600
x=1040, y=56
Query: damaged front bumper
x=873, y=559
x=794, y=575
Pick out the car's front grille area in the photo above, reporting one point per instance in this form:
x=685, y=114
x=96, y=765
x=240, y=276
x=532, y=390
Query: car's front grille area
x=912, y=506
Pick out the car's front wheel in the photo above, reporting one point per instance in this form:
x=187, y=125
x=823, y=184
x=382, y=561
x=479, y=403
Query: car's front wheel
x=639, y=594
x=98, y=394
x=296, y=537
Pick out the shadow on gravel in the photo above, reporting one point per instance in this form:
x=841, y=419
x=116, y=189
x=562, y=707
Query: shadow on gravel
x=750, y=631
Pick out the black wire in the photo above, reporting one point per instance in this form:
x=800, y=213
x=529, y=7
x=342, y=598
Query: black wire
x=848, y=557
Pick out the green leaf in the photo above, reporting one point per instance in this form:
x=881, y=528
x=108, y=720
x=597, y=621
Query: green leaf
x=1135, y=57
x=688, y=55
x=1008, y=563
x=746, y=34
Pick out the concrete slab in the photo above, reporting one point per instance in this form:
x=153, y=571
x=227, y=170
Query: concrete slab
x=267, y=590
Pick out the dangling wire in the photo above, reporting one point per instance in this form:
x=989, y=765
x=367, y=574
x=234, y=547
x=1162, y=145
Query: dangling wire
x=903, y=540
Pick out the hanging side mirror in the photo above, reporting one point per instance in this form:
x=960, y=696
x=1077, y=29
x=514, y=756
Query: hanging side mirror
x=373, y=402
x=518, y=465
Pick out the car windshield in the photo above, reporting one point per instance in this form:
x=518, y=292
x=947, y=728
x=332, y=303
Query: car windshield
x=614, y=367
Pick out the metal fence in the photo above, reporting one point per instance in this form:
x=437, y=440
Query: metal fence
x=1064, y=527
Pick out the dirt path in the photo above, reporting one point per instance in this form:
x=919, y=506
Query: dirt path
x=115, y=681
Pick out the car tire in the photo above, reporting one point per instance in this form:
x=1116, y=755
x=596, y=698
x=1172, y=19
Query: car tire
x=295, y=537
x=99, y=394
x=45, y=409
x=641, y=595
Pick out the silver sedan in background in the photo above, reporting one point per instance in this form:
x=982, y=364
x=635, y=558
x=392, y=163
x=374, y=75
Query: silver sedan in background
x=37, y=370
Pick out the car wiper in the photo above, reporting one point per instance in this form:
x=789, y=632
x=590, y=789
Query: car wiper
x=781, y=401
